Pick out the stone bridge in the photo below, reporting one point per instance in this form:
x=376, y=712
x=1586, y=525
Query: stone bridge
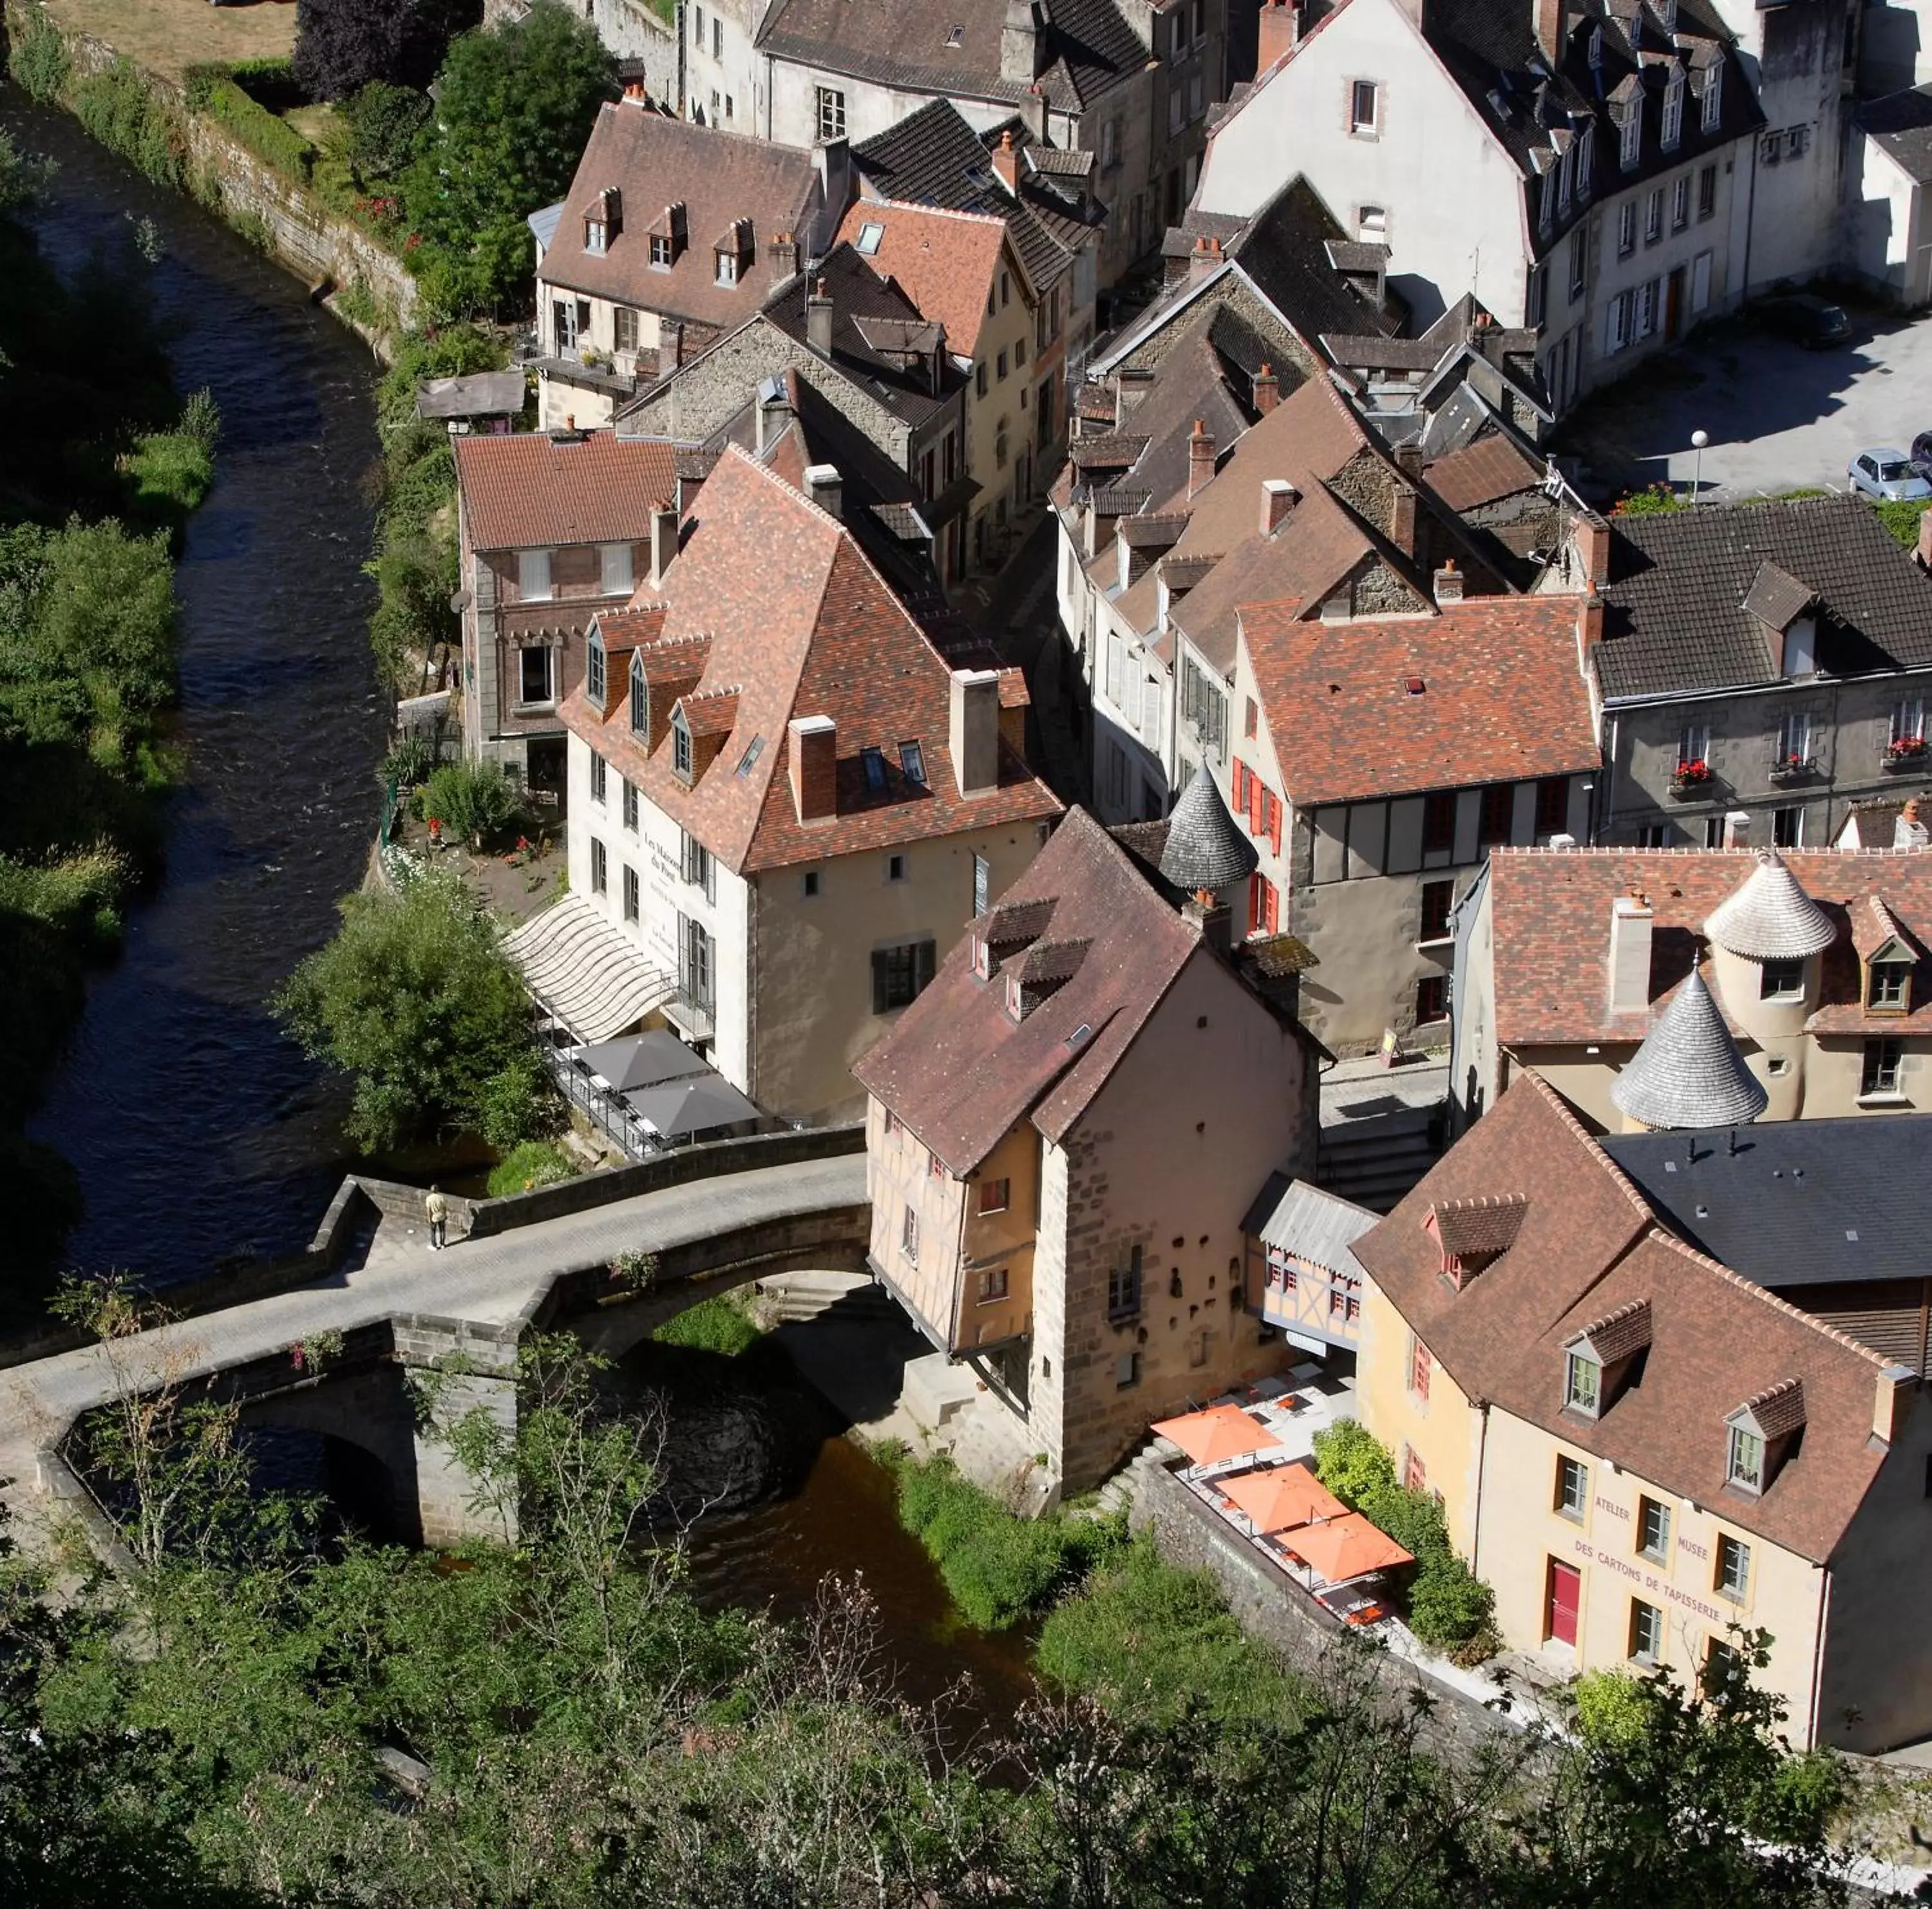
x=324, y=1340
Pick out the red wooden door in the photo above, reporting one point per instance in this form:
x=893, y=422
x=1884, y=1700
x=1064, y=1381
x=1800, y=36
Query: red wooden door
x=1566, y=1594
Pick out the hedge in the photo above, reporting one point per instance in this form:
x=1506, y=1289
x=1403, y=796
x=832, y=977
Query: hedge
x=269, y=139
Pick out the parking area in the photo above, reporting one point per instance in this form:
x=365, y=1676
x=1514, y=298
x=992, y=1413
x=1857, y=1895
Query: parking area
x=1779, y=417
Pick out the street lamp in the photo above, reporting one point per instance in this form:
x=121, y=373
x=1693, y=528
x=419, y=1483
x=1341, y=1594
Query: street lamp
x=1699, y=439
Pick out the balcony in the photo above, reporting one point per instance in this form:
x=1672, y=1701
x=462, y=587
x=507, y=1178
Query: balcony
x=693, y=1015
x=1787, y=768
x=1907, y=753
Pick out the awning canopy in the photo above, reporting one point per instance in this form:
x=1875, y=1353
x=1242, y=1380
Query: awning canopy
x=1282, y=1497
x=639, y=1060
x=1221, y=1432
x=1345, y=1547
x=697, y=1106
x=588, y=975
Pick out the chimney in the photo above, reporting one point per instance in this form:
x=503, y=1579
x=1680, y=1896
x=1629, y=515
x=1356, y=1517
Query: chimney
x=818, y=319
x=1630, y=924
x=1591, y=534
x=1006, y=163
x=1551, y=20
x=1278, y=497
x=1267, y=390
x=1589, y=628
x=1401, y=520
x=1448, y=584
x=973, y=732
x=1278, y=23
x=774, y=412
x=784, y=254
x=1891, y=1400
x=1409, y=458
x=1737, y=829
x=813, y=753
x=825, y=488
x=832, y=160
x=663, y=541
x=1203, y=259
x=1213, y=921
x=1200, y=457
x=1908, y=831
x=1033, y=114
x=1019, y=44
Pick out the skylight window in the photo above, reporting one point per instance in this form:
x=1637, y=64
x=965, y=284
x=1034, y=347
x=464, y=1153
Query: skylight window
x=912, y=760
x=871, y=235
x=957, y=37
x=753, y=750
x=875, y=769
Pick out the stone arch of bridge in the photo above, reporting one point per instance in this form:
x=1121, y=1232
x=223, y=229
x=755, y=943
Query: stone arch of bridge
x=371, y=1411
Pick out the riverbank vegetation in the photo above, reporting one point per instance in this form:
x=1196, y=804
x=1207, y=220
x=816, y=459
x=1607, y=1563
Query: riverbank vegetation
x=553, y=1721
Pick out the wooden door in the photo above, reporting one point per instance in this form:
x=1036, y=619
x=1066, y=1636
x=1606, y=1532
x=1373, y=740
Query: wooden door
x=1566, y=1597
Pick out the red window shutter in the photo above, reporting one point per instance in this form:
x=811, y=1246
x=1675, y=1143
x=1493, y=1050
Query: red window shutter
x=1274, y=823
x=1257, y=795
x=1238, y=787
x=1270, y=907
x=1255, y=885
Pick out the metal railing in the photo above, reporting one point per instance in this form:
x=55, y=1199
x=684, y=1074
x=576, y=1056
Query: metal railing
x=605, y=1110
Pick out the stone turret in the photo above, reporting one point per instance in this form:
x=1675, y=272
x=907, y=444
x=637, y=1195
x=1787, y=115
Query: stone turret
x=1689, y=1072
x=1205, y=851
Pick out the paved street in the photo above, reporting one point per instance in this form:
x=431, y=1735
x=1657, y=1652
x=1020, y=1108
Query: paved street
x=1779, y=417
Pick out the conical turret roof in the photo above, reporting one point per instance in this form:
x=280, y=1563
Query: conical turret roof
x=1689, y=1072
x=1771, y=917
x=1205, y=848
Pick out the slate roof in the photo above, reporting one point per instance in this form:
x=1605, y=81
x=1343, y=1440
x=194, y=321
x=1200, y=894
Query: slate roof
x=530, y=489
x=1550, y=914
x=1309, y=1222
x=1674, y=618
x=770, y=597
x=1205, y=850
x=1087, y=46
x=482, y=394
x=944, y=262
x=957, y=1068
x=1501, y=699
x=1589, y=1247
x=1770, y=917
x=720, y=177
x=1901, y=125
x=1689, y=1072
x=1799, y=1202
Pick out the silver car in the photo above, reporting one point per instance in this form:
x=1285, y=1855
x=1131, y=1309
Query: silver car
x=1889, y=477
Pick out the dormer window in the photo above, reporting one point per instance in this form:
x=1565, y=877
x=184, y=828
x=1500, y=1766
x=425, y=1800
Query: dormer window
x=1666, y=13
x=912, y=760
x=640, y=697
x=1629, y=134
x=1713, y=97
x=1888, y=987
x=661, y=253
x=874, y=764
x=1582, y=1384
x=1673, y=111
x=1745, y=1469
x=594, y=680
x=680, y=744
x=1762, y=1435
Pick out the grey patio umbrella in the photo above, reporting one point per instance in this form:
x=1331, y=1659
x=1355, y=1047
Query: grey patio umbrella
x=682, y=1107
x=642, y=1060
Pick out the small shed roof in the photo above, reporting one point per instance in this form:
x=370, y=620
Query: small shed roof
x=482, y=395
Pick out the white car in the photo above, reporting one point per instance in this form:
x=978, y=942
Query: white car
x=1889, y=477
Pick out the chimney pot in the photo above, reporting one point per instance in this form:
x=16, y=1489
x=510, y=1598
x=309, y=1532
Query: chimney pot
x=1448, y=584
x=1278, y=497
x=1909, y=832
x=1268, y=389
x=814, y=767
x=973, y=730
x=1006, y=163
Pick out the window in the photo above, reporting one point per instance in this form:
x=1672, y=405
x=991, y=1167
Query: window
x=935, y=1167
x=1630, y=135
x=1796, y=140
x=1889, y=982
x=1733, y=1566
x=901, y=973
x=1438, y=899
x=912, y=760
x=1123, y=1287
x=1372, y=224
x=1770, y=148
x=680, y=744
x=1573, y=1486
x=983, y=885
x=1781, y=979
x=1585, y=147
x=1127, y=1370
x=895, y=868
x=717, y=37
x=1616, y=323
x=1879, y=1073
x=808, y=884
x=696, y=968
x=1413, y=1473
x=870, y=235
x=1707, y=192
x=1673, y=112
x=1746, y=1464
x=1001, y=370
x=600, y=879
x=1908, y=721
x=1364, y=99
x=1627, y=228
x=624, y=322
x=727, y=268
x=873, y=761
x=696, y=865
x=1494, y=814
x=1693, y=747
x=533, y=575
x=1421, y=1369
x=1582, y=1384
x=613, y=569
x=995, y=1196
x=1438, y=822
x=1646, y=1632
x=730, y=110
x=1006, y=289
x=1680, y=204
x=1653, y=217
x=1432, y=998
x=1654, y=835
x=1653, y=1529
x=1714, y=838
x=697, y=28
x=533, y=673
x=1552, y=804
x=1787, y=828
x=1645, y=321
x=1714, y=97
x=979, y=379
x=1720, y=1666
x=993, y=1281
x=630, y=805
x=630, y=893
x=595, y=686
x=1264, y=906
x=1794, y=741
x=831, y=113
x=661, y=252
x=1580, y=263
x=640, y=699
x=595, y=232
x=909, y=1236
x=600, y=779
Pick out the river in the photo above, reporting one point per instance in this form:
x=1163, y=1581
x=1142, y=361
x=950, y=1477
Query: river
x=198, y=1131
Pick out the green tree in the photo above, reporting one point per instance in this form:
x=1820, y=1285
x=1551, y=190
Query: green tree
x=472, y=800
x=416, y=999
x=383, y=122
x=514, y=104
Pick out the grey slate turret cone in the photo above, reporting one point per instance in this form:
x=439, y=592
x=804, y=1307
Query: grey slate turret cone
x=1689, y=1072
x=1771, y=917
x=1206, y=850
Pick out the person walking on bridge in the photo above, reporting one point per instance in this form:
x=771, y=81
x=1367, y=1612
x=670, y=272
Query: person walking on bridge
x=437, y=1207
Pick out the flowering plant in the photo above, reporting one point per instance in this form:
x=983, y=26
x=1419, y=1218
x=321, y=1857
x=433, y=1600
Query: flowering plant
x=1906, y=746
x=1698, y=771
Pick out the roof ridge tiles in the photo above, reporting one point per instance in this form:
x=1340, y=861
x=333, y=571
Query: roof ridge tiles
x=1564, y=1113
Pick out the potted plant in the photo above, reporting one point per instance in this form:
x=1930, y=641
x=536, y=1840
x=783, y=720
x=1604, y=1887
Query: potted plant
x=1905, y=749
x=1691, y=775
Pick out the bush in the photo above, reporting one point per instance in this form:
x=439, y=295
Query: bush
x=172, y=472
x=37, y=56
x=1352, y=1463
x=516, y=1104
x=471, y=800
x=270, y=139
x=530, y=1163
x=409, y=764
x=341, y=45
x=1901, y=519
x=1649, y=502
x=1612, y=1709
x=383, y=122
x=118, y=109
x=713, y=1325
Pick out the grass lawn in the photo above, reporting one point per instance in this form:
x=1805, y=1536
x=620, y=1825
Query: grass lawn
x=168, y=35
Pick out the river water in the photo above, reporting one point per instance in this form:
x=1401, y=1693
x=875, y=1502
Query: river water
x=198, y=1131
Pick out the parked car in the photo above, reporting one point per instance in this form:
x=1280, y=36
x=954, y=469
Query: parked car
x=1888, y=476
x=1811, y=322
x=1922, y=454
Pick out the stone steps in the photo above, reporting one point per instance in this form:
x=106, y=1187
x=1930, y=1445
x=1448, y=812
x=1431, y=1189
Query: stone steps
x=794, y=1297
x=1375, y=1160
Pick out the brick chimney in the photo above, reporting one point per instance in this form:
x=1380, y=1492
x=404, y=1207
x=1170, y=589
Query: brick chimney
x=1891, y=1400
x=1401, y=520
x=826, y=488
x=1006, y=163
x=973, y=730
x=818, y=319
x=1278, y=497
x=813, y=766
x=1200, y=456
x=1551, y=19
x=1592, y=537
x=1631, y=921
x=1448, y=584
x=1909, y=832
x=1201, y=260
x=1267, y=390
x=783, y=252
x=1279, y=22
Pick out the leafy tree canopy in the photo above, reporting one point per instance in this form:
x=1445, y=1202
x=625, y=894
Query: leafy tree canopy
x=342, y=45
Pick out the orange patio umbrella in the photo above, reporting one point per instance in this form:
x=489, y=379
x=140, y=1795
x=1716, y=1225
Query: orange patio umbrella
x=1283, y=1497
x=1221, y=1432
x=1344, y=1547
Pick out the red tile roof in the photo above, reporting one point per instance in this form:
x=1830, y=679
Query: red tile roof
x=1588, y=1249
x=1502, y=697
x=532, y=490
x=1550, y=909
x=797, y=622
x=946, y=262
x=959, y=1071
